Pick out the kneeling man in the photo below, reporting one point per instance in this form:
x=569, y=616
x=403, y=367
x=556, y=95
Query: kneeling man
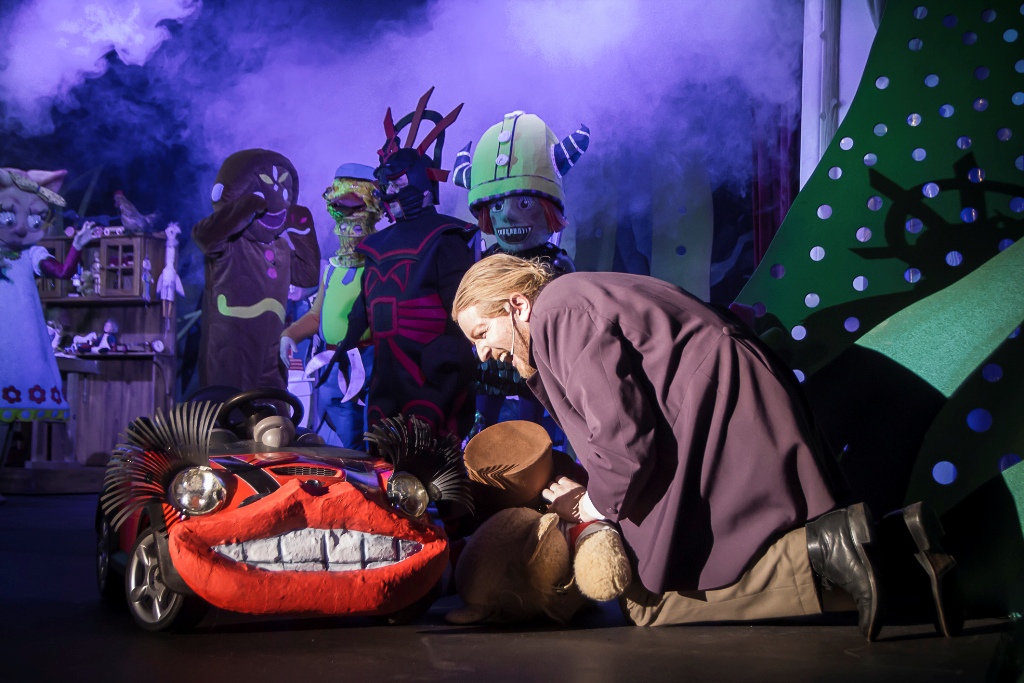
x=694, y=437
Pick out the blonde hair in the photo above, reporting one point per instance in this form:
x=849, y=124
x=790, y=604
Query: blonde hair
x=490, y=281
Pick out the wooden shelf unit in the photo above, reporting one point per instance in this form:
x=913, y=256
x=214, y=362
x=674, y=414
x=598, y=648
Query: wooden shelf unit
x=120, y=266
x=119, y=386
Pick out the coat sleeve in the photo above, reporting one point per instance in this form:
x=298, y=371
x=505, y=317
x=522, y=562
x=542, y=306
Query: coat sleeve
x=603, y=380
x=50, y=267
x=212, y=233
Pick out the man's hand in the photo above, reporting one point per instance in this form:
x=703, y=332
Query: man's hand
x=563, y=497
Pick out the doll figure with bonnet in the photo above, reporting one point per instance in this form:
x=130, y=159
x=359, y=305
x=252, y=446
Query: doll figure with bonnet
x=30, y=386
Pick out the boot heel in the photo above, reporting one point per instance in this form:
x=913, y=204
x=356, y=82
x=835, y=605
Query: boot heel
x=943, y=574
x=924, y=526
x=948, y=591
x=862, y=526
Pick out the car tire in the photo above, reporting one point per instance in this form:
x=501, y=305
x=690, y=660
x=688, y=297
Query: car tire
x=108, y=582
x=153, y=605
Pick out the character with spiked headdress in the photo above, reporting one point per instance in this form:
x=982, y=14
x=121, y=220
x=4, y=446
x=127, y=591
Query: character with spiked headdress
x=514, y=180
x=30, y=386
x=257, y=241
x=353, y=200
x=423, y=366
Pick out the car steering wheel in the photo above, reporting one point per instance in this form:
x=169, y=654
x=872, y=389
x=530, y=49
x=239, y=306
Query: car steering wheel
x=245, y=402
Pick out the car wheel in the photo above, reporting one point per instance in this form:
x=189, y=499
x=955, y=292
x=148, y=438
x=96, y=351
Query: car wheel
x=153, y=605
x=106, y=579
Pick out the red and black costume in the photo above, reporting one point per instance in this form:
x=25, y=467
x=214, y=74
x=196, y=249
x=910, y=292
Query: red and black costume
x=423, y=364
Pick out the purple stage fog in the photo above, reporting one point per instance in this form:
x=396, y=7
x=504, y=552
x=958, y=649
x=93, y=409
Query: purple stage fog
x=150, y=98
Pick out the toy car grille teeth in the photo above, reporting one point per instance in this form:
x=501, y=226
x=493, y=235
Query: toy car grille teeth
x=316, y=550
x=300, y=471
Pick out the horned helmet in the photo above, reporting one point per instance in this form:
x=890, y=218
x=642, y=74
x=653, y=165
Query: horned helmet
x=519, y=157
x=406, y=173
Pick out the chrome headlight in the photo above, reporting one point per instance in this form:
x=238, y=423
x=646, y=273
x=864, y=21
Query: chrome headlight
x=408, y=495
x=197, y=491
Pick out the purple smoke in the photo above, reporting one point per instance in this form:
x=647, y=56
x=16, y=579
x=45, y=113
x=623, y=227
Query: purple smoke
x=151, y=100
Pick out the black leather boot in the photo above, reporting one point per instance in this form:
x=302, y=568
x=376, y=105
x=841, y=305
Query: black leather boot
x=837, y=548
x=919, y=574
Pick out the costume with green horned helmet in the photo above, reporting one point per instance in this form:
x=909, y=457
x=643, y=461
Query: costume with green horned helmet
x=514, y=180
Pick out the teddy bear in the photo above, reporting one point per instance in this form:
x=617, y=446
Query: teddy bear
x=522, y=562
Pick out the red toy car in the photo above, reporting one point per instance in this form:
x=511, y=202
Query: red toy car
x=199, y=511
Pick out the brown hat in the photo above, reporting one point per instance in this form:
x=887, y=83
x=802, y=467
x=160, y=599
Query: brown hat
x=511, y=463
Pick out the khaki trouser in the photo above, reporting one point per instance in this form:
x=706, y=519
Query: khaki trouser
x=781, y=584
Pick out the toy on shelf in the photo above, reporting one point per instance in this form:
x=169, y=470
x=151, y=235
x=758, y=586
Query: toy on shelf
x=108, y=340
x=56, y=332
x=169, y=281
x=133, y=220
x=147, y=279
x=84, y=343
x=96, y=274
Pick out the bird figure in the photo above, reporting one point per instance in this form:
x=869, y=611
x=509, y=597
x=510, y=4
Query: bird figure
x=131, y=218
x=169, y=281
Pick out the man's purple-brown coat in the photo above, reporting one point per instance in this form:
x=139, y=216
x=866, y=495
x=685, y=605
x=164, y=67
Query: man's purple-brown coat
x=694, y=438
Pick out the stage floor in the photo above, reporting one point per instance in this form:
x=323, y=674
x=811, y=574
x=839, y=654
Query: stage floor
x=55, y=628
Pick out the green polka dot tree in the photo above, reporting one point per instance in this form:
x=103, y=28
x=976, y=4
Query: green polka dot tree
x=895, y=286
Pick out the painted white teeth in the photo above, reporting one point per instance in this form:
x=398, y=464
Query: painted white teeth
x=335, y=550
